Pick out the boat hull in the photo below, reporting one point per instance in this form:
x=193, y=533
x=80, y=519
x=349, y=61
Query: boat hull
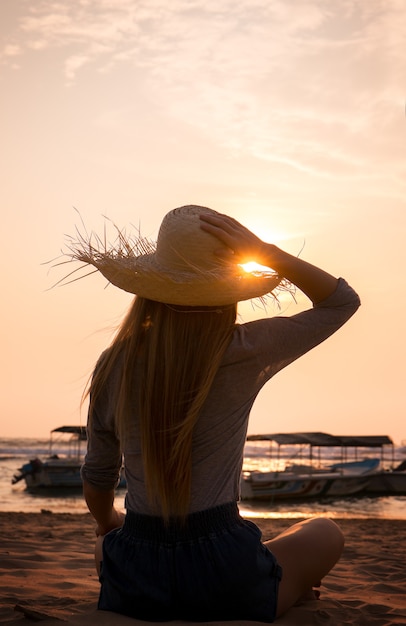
x=301, y=487
x=55, y=474
x=387, y=484
x=51, y=473
x=297, y=482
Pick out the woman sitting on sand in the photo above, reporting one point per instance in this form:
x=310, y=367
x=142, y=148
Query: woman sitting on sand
x=173, y=394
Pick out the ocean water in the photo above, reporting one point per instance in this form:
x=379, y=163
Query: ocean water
x=16, y=452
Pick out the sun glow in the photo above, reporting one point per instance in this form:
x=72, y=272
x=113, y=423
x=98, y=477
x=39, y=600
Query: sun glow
x=251, y=267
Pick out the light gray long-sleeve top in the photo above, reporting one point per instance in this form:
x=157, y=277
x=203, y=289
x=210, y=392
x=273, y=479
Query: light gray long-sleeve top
x=258, y=350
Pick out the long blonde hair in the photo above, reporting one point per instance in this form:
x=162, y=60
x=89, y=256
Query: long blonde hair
x=178, y=351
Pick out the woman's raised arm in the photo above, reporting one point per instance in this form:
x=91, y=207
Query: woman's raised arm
x=244, y=246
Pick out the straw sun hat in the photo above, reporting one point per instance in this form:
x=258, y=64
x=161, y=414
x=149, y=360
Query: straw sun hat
x=180, y=269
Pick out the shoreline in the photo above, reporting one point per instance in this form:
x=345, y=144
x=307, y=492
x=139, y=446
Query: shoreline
x=47, y=573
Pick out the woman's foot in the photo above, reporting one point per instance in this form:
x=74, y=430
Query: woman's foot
x=312, y=594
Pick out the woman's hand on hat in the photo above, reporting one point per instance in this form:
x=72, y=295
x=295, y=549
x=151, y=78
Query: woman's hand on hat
x=316, y=283
x=237, y=239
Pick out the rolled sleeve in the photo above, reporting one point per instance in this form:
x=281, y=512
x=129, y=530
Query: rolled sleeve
x=103, y=460
x=279, y=341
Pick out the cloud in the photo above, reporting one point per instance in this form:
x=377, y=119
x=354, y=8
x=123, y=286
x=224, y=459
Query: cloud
x=296, y=83
x=11, y=50
x=73, y=63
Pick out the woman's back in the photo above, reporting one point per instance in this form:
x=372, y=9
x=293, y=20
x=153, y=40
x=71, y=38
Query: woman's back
x=256, y=352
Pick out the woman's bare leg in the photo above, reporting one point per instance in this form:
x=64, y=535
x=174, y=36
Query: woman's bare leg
x=98, y=552
x=307, y=552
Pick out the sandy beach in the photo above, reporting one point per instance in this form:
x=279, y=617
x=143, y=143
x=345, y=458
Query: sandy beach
x=47, y=574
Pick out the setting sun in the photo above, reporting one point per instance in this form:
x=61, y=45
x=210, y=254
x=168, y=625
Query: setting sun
x=251, y=267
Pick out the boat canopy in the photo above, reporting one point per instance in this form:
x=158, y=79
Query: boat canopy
x=324, y=439
x=80, y=431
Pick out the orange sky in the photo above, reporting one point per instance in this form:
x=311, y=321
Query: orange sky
x=290, y=116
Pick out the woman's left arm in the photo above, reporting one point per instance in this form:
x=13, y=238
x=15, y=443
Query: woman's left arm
x=101, y=505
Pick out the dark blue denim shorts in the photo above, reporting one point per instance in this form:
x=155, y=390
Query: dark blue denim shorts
x=213, y=568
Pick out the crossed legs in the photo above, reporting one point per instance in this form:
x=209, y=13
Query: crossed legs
x=307, y=552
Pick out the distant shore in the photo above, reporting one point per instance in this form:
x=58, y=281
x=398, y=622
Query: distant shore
x=47, y=572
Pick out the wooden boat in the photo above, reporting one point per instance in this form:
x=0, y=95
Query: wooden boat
x=57, y=472
x=390, y=482
x=315, y=478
